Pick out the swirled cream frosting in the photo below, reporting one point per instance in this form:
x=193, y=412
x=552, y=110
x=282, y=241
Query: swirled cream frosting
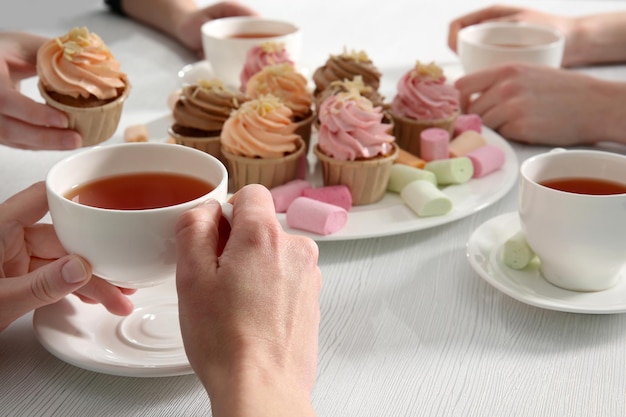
x=260, y=128
x=346, y=66
x=260, y=56
x=79, y=64
x=205, y=106
x=422, y=94
x=285, y=83
x=351, y=128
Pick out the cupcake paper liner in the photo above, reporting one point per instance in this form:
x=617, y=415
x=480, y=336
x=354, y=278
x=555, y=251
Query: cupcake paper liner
x=270, y=172
x=407, y=131
x=95, y=124
x=303, y=129
x=367, y=179
x=208, y=144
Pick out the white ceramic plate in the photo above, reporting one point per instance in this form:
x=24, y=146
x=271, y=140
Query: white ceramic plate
x=147, y=343
x=391, y=216
x=484, y=252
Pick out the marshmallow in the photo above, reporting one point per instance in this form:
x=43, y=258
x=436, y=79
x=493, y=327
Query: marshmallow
x=136, y=133
x=516, y=253
x=338, y=195
x=283, y=195
x=465, y=122
x=407, y=158
x=434, y=143
x=452, y=170
x=315, y=216
x=401, y=175
x=486, y=159
x=425, y=199
x=465, y=143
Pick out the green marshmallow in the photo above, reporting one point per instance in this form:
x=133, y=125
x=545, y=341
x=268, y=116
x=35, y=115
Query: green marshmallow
x=425, y=199
x=517, y=254
x=457, y=170
x=401, y=175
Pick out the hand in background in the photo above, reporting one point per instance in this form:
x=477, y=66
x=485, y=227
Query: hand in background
x=250, y=316
x=546, y=106
x=26, y=123
x=35, y=270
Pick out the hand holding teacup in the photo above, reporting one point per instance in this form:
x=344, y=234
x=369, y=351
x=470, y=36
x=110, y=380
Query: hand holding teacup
x=126, y=232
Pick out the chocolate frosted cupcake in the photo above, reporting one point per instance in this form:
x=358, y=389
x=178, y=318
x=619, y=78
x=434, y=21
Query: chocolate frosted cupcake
x=79, y=75
x=290, y=87
x=199, y=115
x=346, y=66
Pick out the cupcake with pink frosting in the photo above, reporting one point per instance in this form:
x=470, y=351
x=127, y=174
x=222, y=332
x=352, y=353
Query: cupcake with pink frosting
x=260, y=56
x=354, y=146
x=260, y=145
x=79, y=75
x=423, y=100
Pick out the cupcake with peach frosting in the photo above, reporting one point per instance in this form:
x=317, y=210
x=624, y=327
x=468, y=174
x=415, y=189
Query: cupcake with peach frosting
x=355, y=147
x=260, y=145
x=200, y=113
x=290, y=87
x=423, y=100
x=262, y=55
x=346, y=66
x=79, y=75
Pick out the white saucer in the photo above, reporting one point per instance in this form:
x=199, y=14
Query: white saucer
x=484, y=252
x=147, y=343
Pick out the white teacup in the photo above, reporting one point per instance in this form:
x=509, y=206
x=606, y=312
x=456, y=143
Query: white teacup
x=580, y=239
x=226, y=42
x=130, y=248
x=488, y=44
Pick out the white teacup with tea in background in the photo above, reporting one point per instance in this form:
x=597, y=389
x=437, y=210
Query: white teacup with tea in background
x=489, y=44
x=117, y=206
x=572, y=207
x=226, y=42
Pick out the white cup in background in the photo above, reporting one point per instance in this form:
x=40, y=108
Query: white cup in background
x=226, y=41
x=580, y=239
x=129, y=248
x=489, y=44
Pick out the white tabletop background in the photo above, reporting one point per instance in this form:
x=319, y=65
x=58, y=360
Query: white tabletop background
x=408, y=328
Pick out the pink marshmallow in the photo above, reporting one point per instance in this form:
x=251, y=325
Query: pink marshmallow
x=486, y=159
x=434, y=144
x=315, y=216
x=338, y=195
x=466, y=122
x=283, y=195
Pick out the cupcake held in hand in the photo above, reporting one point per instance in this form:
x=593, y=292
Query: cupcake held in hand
x=200, y=113
x=79, y=75
x=423, y=100
x=355, y=147
x=260, y=145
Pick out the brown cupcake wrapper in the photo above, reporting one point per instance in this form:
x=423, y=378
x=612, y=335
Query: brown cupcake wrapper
x=304, y=128
x=407, y=131
x=95, y=124
x=367, y=179
x=269, y=172
x=209, y=144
